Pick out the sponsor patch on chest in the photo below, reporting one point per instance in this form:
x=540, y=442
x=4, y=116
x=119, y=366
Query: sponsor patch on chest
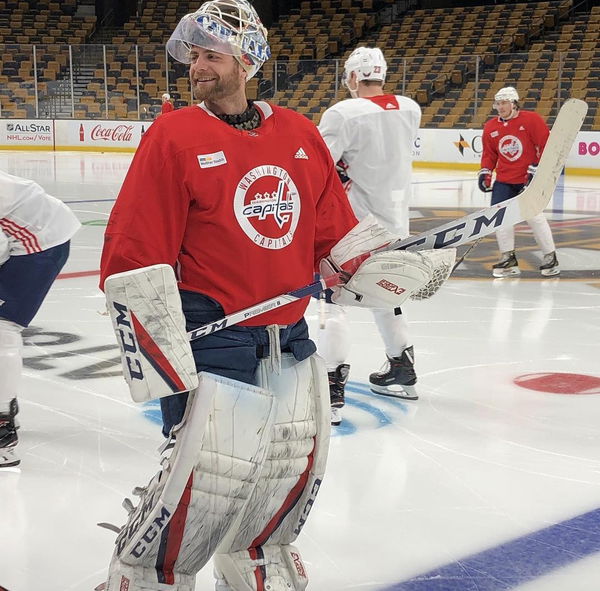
x=210, y=160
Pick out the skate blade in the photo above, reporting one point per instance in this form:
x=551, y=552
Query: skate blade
x=403, y=392
x=550, y=272
x=499, y=273
x=9, y=458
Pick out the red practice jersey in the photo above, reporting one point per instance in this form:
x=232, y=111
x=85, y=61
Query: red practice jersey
x=167, y=107
x=242, y=216
x=511, y=146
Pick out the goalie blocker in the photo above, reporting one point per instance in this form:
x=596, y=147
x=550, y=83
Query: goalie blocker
x=146, y=313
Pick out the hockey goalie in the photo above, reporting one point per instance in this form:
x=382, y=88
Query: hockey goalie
x=226, y=204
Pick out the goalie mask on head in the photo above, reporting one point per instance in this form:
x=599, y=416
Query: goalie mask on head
x=231, y=27
x=367, y=63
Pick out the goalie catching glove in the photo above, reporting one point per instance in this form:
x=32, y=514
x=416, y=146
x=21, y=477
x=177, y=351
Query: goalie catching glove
x=384, y=279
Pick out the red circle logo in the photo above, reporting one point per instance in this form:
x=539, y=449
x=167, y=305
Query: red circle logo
x=560, y=383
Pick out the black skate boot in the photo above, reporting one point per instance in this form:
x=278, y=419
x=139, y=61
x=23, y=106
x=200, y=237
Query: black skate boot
x=337, y=382
x=8, y=436
x=398, y=377
x=507, y=266
x=549, y=265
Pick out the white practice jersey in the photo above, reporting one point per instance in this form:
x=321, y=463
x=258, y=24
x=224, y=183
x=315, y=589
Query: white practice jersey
x=30, y=219
x=374, y=139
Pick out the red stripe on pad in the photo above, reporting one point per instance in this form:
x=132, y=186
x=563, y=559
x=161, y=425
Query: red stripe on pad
x=258, y=571
x=175, y=536
x=149, y=347
x=288, y=504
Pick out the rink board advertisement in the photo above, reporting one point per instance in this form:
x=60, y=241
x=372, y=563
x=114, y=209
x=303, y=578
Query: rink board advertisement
x=99, y=135
x=463, y=147
x=27, y=134
x=436, y=147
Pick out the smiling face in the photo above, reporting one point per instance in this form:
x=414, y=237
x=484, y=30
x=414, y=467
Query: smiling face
x=216, y=76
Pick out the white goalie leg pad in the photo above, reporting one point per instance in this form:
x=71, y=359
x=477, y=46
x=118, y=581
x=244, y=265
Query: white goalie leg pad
x=257, y=553
x=191, y=504
x=145, y=309
x=271, y=567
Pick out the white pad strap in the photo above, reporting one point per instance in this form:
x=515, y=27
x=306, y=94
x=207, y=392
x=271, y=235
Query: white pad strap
x=145, y=309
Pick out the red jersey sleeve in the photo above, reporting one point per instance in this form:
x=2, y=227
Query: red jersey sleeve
x=148, y=220
x=489, y=153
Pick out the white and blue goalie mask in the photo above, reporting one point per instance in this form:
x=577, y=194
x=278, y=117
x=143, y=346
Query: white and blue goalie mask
x=231, y=27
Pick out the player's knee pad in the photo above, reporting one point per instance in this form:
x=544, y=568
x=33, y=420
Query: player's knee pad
x=11, y=343
x=292, y=473
x=272, y=567
x=189, y=506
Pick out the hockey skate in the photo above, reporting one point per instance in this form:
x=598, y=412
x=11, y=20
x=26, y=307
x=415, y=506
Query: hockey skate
x=337, y=384
x=8, y=436
x=397, y=378
x=507, y=266
x=549, y=266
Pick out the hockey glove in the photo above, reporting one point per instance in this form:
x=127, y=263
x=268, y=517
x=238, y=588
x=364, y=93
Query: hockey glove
x=531, y=170
x=341, y=167
x=356, y=246
x=484, y=180
x=387, y=279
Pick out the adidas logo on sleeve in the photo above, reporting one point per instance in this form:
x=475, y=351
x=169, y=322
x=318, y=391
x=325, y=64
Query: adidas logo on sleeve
x=301, y=154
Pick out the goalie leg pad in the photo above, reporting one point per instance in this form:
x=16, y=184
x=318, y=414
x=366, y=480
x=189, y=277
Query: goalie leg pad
x=279, y=567
x=287, y=487
x=189, y=506
x=145, y=309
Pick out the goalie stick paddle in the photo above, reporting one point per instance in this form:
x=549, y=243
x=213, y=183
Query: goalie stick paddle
x=471, y=227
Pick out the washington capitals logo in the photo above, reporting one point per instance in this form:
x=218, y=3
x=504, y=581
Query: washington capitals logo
x=510, y=147
x=267, y=206
x=278, y=204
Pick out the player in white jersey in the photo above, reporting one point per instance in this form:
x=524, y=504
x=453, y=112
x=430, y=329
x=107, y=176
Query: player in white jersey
x=35, y=233
x=371, y=138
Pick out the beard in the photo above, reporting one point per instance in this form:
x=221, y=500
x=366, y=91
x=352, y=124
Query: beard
x=224, y=86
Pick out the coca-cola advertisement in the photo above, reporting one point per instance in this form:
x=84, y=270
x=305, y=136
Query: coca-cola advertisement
x=115, y=132
x=122, y=136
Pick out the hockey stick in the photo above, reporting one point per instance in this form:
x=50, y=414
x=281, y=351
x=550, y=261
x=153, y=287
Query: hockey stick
x=474, y=226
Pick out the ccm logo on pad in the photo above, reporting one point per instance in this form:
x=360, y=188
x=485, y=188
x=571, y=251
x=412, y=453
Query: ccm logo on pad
x=391, y=286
